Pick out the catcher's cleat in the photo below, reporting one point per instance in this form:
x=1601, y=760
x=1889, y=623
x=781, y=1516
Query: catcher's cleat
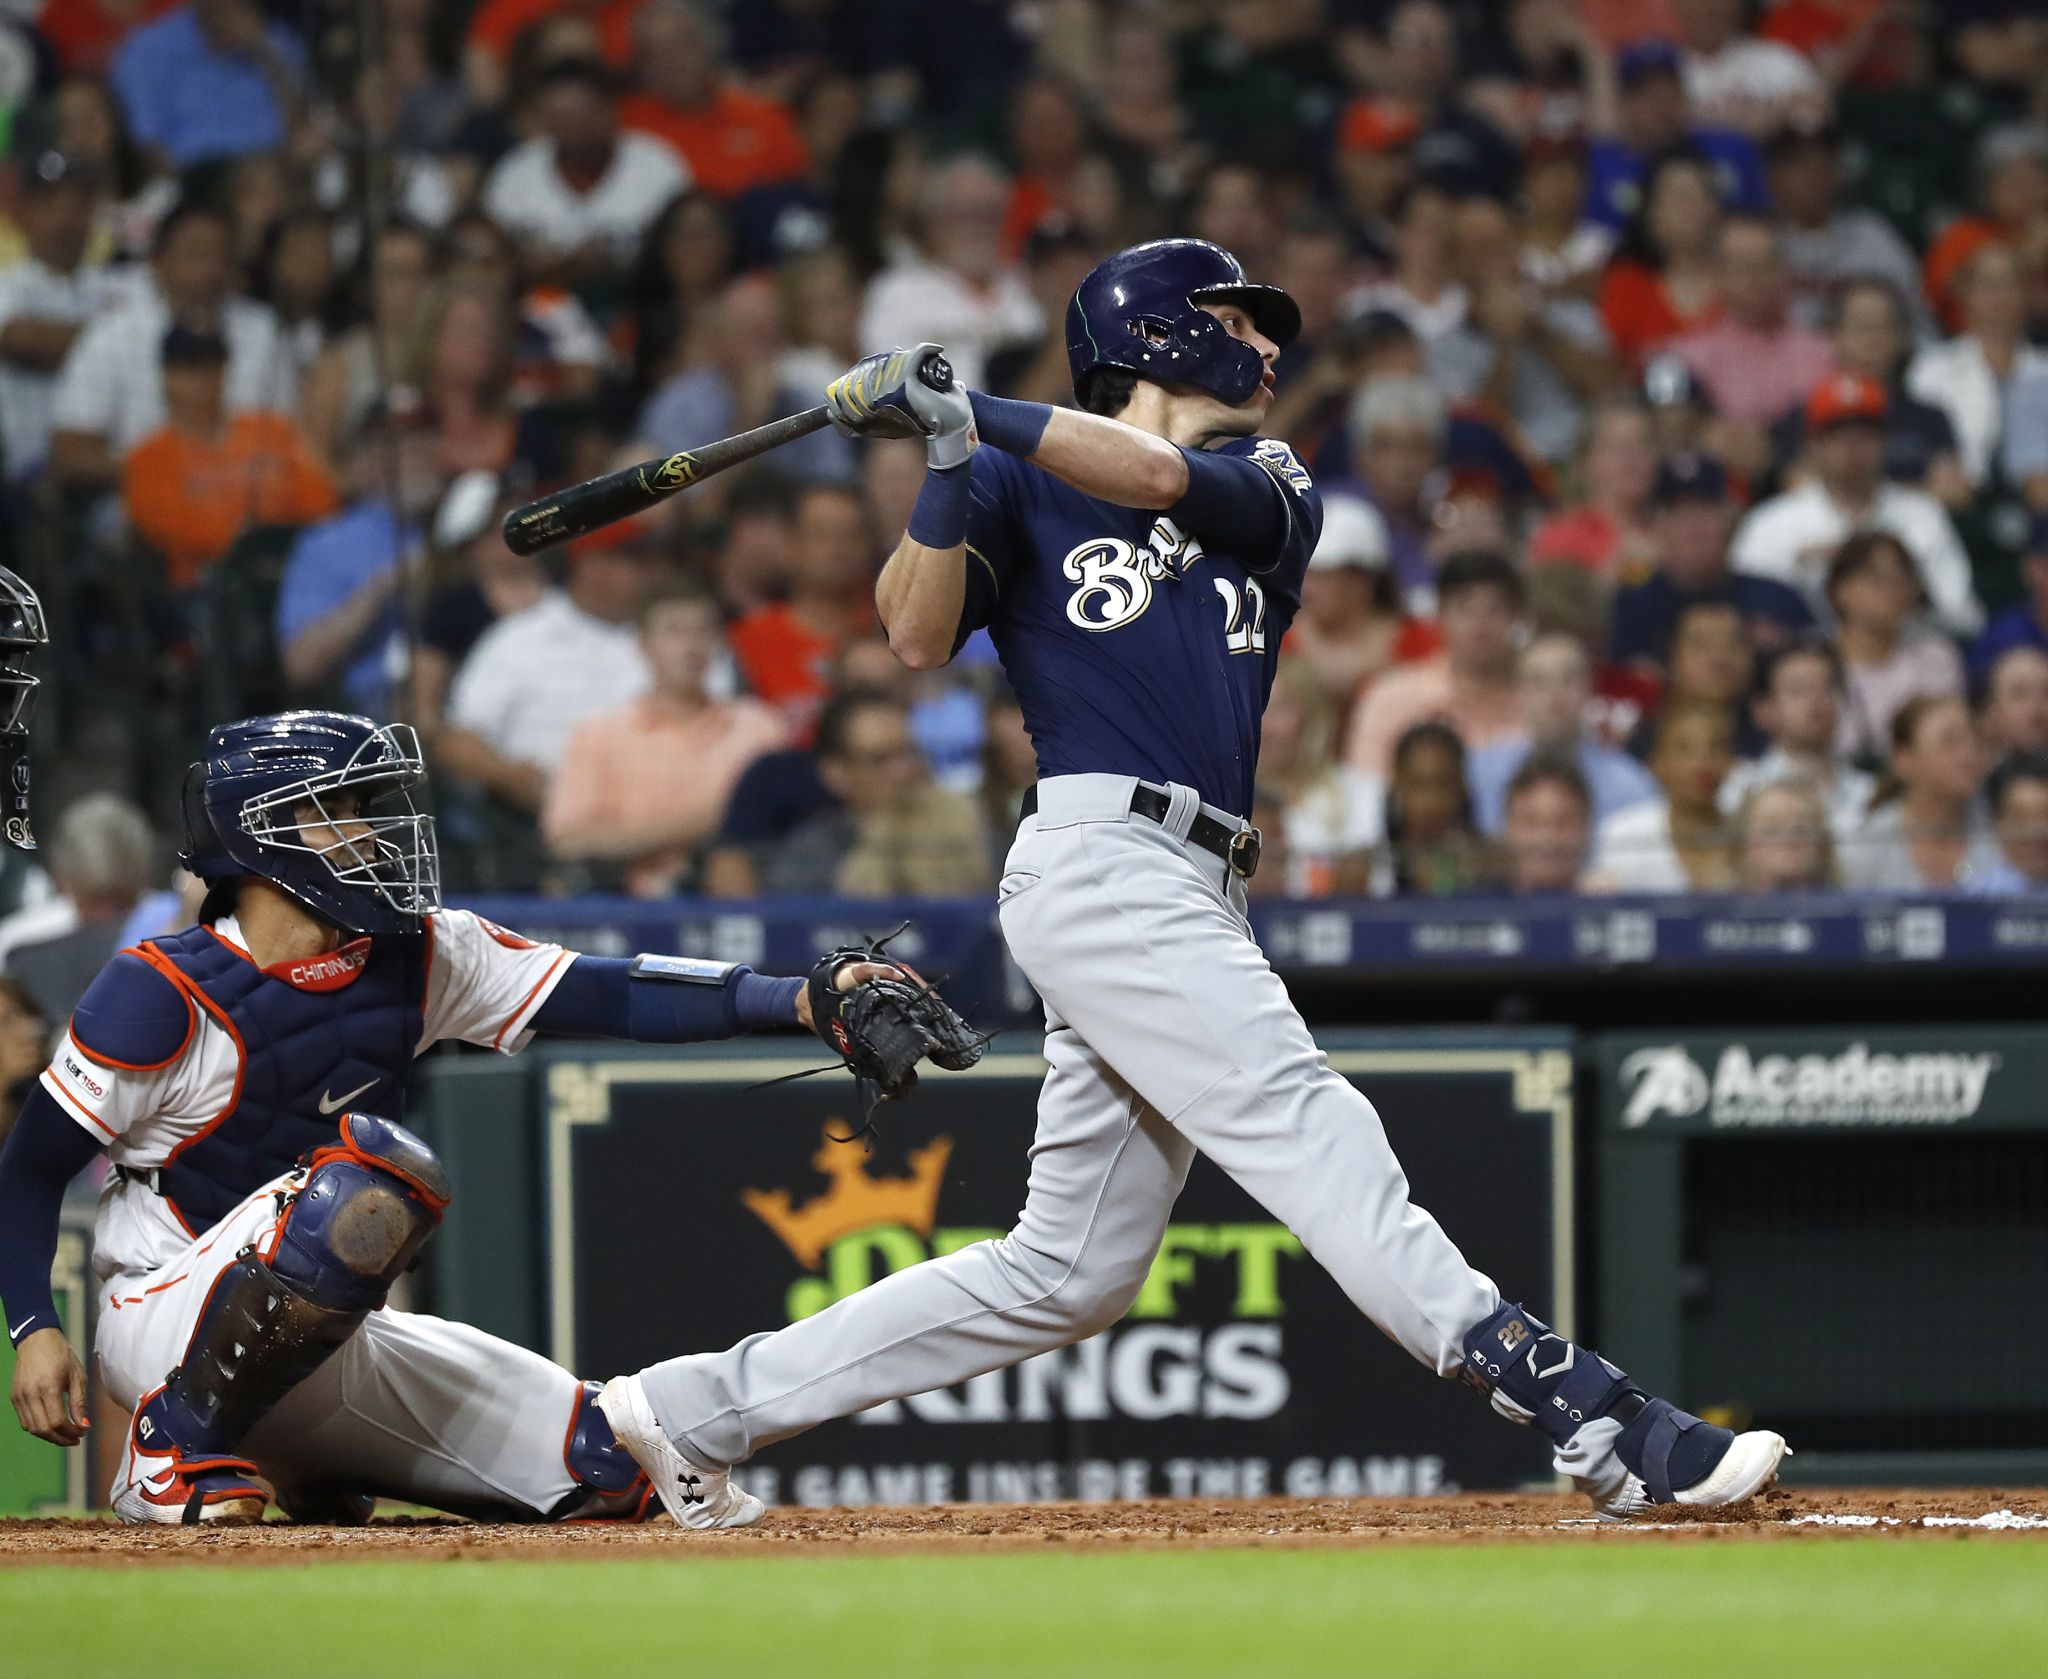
x=165, y=1484
x=695, y=1494
x=326, y=1505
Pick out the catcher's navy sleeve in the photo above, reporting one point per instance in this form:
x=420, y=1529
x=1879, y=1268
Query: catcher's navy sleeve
x=664, y=999
x=44, y=1152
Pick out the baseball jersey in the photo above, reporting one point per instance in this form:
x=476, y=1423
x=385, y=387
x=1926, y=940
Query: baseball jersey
x=1135, y=647
x=484, y=986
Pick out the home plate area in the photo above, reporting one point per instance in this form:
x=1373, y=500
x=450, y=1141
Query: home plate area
x=1153, y=1524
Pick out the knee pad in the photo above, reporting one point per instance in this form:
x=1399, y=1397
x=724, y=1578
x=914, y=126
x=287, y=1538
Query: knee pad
x=368, y=1205
x=1534, y=1375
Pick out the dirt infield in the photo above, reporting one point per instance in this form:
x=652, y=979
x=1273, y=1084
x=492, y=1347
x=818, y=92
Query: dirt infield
x=1154, y=1524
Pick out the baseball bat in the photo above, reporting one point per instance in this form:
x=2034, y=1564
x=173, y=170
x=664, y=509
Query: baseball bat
x=597, y=502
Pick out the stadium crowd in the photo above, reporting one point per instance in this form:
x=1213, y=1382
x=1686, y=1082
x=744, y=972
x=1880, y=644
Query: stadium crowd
x=1668, y=369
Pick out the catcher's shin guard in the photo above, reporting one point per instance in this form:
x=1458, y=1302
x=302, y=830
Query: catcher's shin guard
x=610, y=1486
x=362, y=1212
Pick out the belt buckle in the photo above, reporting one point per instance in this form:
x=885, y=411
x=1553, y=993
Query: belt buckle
x=1243, y=854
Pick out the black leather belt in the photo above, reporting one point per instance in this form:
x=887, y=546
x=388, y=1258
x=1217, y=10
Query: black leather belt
x=1239, y=847
x=150, y=1178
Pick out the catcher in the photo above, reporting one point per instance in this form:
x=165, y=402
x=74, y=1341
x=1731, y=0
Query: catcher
x=247, y=1079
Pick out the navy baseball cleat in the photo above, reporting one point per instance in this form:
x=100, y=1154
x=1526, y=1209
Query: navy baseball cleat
x=164, y=1482
x=1621, y=1447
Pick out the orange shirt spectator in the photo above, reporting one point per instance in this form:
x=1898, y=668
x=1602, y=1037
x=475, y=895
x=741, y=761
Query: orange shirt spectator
x=731, y=140
x=1636, y=308
x=496, y=24
x=787, y=662
x=787, y=651
x=648, y=783
x=84, y=33
x=195, y=485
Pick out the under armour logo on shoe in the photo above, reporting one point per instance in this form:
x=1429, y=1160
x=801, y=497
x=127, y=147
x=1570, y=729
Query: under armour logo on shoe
x=690, y=1484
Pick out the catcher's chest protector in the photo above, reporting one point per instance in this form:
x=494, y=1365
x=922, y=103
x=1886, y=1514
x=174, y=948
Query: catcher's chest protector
x=308, y=1056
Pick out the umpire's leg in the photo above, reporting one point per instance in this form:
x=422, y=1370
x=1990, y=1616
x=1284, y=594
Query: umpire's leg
x=1105, y=1172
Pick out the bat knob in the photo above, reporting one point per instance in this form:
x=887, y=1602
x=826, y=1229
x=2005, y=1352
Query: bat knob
x=937, y=373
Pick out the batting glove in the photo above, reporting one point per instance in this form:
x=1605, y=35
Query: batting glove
x=886, y=396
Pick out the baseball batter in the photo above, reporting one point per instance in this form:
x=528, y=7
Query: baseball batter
x=1137, y=565
x=245, y=1077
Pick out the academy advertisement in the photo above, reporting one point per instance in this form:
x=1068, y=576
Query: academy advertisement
x=1902, y=1079
x=693, y=1211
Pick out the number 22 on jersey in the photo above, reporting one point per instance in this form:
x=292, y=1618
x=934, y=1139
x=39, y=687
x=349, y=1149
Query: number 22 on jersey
x=1244, y=615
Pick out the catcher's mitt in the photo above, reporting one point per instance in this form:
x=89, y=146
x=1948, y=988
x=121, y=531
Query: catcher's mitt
x=883, y=1027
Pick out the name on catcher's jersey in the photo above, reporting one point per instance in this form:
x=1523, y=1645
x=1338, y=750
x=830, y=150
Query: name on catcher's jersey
x=1136, y=647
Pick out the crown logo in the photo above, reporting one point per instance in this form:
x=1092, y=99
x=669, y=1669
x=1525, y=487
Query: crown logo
x=854, y=1199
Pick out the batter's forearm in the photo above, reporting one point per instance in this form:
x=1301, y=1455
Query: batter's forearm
x=919, y=597
x=1100, y=457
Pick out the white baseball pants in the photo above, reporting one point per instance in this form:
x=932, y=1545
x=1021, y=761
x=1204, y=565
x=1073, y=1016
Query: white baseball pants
x=1166, y=1031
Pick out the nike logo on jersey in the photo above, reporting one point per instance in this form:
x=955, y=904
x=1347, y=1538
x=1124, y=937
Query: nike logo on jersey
x=334, y=1104
x=15, y=1332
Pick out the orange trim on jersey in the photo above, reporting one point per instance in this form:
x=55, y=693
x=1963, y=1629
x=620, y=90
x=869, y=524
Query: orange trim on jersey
x=82, y=1108
x=99, y=1060
x=526, y=1002
x=170, y=970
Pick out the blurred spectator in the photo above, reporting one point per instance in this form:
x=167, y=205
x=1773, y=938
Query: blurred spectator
x=1829, y=247
x=1375, y=167
x=1887, y=657
x=1562, y=248
x=24, y=1048
x=1009, y=763
x=498, y=29
x=1470, y=685
x=1690, y=522
x=1927, y=828
x=1351, y=629
x=2024, y=624
x=2011, y=187
x=110, y=391
x=1609, y=531
x=213, y=78
x=1678, y=843
x=778, y=794
x=1547, y=826
x=463, y=354
x=534, y=676
x=684, y=264
x=785, y=650
x=193, y=487
x=1457, y=144
x=2018, y=796
x=1783, y=842
x=1755, y=361
x=1638, y=114
x=1664, y=279
x=101, y=862
x=1739, y=80
x=784, y=218
x=647, y=784
x=1988, y=379
x=1423, y=289
x=1397, y=430
x=1711, y=663
x=891, y=833
x=748, y=565
x=1057, y=257
x=2014, y=715
x=340, y=388
x=340, y=618
x=294, y=275
x=959, y=291
x=730, y=138
x=1869, y=333
x=1556, y=688
x=46, y=301
x=491, y=583
x=1432, y=849
x=579, y=194
x=1048, y=134
x=1793, y=536
x=1532, y=356
x=1333, y=816
x=1798, y=706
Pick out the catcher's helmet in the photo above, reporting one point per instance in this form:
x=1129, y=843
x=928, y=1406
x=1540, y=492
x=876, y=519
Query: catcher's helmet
x=264, y=779
x=22, y=631
x=1138, y=310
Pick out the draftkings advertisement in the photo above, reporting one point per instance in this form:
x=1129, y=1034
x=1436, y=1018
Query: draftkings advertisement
x=693, y=1207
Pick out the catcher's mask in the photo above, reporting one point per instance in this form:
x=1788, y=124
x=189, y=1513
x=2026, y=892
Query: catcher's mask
x=318, y=803
x=22, y=631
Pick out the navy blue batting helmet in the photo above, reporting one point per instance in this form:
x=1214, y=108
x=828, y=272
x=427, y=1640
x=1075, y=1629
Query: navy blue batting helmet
x=1140, y=310
x=319, y=803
